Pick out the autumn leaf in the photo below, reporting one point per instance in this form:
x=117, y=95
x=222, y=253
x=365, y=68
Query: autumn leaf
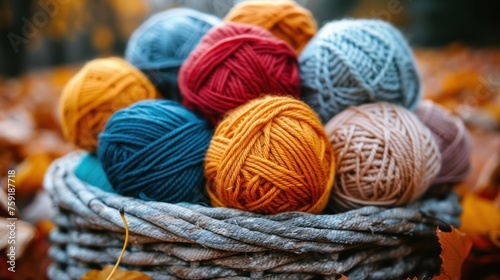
x=485, y=165
x=113, y=272
x=456, y=82
x=343, y=277
x=480, y=216
x=30, y=173
x=455, y=246
x=118, y=274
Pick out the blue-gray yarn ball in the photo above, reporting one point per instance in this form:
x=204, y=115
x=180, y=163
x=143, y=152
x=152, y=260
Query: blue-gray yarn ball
x=161, y=44
x=351, y=62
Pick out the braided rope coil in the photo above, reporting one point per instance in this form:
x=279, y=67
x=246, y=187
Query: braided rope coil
x=185, y=241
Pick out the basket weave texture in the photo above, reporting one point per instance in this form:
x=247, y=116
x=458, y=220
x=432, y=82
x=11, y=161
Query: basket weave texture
x=185, y=241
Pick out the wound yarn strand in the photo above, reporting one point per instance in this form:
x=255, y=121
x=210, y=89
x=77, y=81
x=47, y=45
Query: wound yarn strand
x=270, y=155
x=100, y=88
x=163, y=42
x=384, y=156
x=233, y=64
x=352, y=62
x=285, y=19
x=453, y=139
x=154, y=150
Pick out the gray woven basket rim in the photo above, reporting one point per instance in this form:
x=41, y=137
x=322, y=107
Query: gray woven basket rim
x=222, y=237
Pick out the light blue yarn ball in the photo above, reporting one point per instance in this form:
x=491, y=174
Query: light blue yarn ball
x=161, y=44
x=155, y=150
x=351, y=62
x=89, y=170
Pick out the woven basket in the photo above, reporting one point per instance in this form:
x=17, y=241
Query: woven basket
x=184, y=241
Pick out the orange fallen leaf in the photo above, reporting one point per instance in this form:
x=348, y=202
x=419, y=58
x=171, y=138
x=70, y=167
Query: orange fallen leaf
x=455, y=246
x=493, y=109
x=479, y=216
x=117, y=274
x=484, y=160
x=454, y=83
x=113, y=272
x=45, y=226
x=30, y=173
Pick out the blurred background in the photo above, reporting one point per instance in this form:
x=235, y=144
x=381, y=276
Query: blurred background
x=44, y=42
x=45, y=33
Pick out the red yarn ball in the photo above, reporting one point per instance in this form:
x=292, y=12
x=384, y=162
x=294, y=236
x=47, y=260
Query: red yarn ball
x=233, y=64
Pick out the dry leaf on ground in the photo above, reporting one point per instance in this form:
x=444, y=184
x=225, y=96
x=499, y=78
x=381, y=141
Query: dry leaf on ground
x=117, y=275
x=455, y=247
x=480, y=216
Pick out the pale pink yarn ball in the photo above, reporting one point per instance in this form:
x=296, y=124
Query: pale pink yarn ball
x=384, y=156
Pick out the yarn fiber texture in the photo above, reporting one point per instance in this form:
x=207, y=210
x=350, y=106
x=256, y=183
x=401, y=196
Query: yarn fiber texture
x=163, y=42
x=268, y=156
x=90, y=171
x=155, y=150
x=233, y=64
x=100, y=88
x=352, y=62
x=284, y=18
x=384, y=156
x=453, y=139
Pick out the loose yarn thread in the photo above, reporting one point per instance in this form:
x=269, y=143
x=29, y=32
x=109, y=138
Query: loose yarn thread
x=284, y=18
x=154, y=150
x=352, y=62
x=233, y=64
x=384, y=156
x=100, y=88
x=268, y=156
x=163, y=42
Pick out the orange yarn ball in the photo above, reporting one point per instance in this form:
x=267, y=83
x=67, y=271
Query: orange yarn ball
x=100, y=88
x=286, y=19
x=270, y=155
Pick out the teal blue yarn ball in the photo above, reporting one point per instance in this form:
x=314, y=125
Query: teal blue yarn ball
x=351, y=62
x=89, y=170
x=155, y=150
x=161, y=44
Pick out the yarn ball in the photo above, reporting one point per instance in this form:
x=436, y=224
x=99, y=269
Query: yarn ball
x=161, y=44
x=233, y=64
x=384, y=156
x=284, y=18
x=155, y=150
x=89, y=170
x=268, y=156
x=453, y=139
x=352, y=62
x=100, y=88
